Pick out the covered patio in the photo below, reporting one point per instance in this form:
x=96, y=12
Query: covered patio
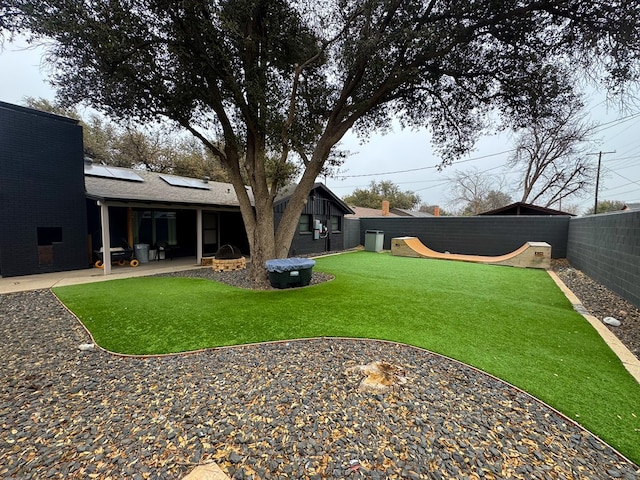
x=163, y=216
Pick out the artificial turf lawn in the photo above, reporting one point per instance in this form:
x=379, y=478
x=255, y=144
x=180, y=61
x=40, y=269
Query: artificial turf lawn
x=513, y=323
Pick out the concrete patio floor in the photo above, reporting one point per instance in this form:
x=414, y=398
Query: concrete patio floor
x=89, y=275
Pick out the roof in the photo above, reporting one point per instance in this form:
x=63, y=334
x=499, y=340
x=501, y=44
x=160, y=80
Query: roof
x=153, y=187
x=39, y=113
x=363, y=212
x=285, y=193
x=634, y=207
x=521, y=208
x=403, y=212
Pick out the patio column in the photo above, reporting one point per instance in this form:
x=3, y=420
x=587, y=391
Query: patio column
x=199, y=236
x=106, y=238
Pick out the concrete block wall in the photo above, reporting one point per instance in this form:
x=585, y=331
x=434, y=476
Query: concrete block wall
x=351, y=232
x=485, y=235
x=41, y=186
x=606, y=247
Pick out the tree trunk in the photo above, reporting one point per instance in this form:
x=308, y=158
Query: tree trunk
x=261, y=242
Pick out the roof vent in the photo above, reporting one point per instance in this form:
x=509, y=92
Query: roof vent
x=206, y=179
x=88, y=161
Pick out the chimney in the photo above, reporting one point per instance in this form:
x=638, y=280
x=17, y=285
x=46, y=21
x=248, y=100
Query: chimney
x=385, y=208
x=436, y=211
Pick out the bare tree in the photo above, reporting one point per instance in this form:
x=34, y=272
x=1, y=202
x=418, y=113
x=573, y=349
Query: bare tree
x=551, y=156
x=473, y=192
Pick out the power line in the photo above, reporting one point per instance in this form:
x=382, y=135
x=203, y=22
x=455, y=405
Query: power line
x=426, y=168
x=619, y=194
x=625, y=178
x=608, y=125
x=611, y=189
x=433, y=180
x=616, y=122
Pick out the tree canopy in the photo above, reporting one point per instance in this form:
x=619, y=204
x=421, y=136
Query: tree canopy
x=373, y=196
x=284, y=80
x=606, y=206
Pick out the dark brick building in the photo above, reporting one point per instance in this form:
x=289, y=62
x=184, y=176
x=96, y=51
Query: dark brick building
x=42, y=200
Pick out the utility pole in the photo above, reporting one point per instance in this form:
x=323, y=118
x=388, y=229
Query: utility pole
x=595, y=205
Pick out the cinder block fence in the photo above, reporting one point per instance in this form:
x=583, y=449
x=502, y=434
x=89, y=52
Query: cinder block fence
x=606, y=246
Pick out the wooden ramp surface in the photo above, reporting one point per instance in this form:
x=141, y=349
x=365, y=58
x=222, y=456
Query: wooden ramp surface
x=529, y=255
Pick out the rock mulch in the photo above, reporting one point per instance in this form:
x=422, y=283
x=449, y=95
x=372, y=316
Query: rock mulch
x=238, y=278
x=272, y=411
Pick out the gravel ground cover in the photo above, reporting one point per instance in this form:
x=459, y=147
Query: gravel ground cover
x=280, y=410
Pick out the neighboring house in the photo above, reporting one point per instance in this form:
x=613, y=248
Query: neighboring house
x=402, y=212
x=43, y=221
x=55, y=218
x=321, y=225
x=385, y=211
x=634, y=207
x=366, y=212
x=520, y=208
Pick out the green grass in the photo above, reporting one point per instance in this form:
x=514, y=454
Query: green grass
x=513, y=323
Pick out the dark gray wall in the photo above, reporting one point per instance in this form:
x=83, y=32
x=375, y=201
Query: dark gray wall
x=485, y=235
x=321, y=207
x=607, y=248
x=41, y=186
x=351, y=232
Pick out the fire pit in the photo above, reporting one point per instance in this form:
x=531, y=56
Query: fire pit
x=289, y=272
x=229, y=258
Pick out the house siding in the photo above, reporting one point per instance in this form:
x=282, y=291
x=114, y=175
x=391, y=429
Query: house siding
x=321, y=207
x=41, y=187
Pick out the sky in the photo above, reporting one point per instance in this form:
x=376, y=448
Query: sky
x=406, y=157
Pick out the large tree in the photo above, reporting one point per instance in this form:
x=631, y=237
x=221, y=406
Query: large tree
x=268, y=82
x=551, y=155
x=373, y=196
x=473, y=191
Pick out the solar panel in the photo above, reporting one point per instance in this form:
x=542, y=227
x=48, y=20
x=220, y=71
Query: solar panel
x=185, y=182
x=112, y=172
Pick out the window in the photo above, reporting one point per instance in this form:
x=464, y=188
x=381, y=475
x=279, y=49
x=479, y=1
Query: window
x=49, y=235
x=47, y=238
x=304, y=225
x=165, y=228
x=155, y=227
x=335, y=223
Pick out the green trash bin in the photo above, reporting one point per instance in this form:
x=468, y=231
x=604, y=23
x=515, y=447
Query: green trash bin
x=373, y=240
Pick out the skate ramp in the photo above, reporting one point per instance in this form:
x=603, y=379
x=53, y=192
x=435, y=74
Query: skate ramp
x=529, y=255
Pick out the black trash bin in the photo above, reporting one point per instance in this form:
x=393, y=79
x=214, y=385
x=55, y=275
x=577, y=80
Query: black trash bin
x=290, y=272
